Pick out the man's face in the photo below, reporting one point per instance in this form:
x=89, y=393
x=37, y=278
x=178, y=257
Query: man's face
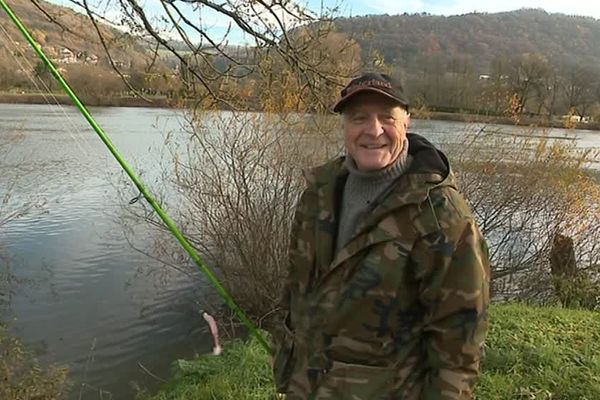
x=374, y=130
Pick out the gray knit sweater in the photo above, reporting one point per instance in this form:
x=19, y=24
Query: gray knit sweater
x=361, y=189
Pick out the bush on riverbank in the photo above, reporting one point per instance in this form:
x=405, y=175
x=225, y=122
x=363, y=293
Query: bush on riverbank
x=21, y=378
x=527, y=193
x=531, y=353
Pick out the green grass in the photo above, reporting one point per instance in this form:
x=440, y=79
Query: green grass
x=531, y=353
x=541, y=353
x=241, y=372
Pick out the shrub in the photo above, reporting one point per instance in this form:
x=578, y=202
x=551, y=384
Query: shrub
x=525, y=191
x=238, y=177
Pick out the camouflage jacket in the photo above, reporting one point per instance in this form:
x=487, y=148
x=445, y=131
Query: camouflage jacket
x=401, y=311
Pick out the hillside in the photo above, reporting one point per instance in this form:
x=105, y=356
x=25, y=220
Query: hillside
x=522, y=63
x=519, y=63
x=479, y=37
x=70, y=41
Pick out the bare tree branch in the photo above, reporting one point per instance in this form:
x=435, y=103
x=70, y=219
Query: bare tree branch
x=110, y=59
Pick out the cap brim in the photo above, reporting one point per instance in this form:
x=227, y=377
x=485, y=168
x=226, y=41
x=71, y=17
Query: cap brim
x=339, y=106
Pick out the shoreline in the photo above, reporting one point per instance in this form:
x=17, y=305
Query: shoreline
x=164, y=102
x=92, y=101
x=524, y=121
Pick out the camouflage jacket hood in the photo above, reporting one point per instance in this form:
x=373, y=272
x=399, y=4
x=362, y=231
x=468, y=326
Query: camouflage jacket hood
x=400, y=311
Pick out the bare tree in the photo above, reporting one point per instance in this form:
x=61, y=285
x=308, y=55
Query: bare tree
x=580, y=85
x=238, y=177
x=499, y=85
x=238, y=173
x=528, y=80
x=262, y=42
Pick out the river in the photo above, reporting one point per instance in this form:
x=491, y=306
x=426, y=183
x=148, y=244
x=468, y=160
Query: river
x=83, y=297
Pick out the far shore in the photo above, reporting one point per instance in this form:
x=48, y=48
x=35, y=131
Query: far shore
x=165, y=102
x=523, y=121
x=101, y=101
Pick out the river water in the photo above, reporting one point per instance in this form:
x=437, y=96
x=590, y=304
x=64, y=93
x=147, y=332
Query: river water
x=83, y=297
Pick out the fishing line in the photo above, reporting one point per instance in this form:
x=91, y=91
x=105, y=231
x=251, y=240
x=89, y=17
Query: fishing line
x=135, y=179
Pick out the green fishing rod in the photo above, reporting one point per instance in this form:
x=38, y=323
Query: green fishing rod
x=135, y=179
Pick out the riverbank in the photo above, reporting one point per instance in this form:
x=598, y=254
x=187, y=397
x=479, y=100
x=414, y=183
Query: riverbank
x=531, y=352
x=101, y=101
x=21, y=376
x=524, y=121
x=164, y=102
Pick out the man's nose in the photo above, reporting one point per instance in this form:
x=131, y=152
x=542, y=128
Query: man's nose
x=374, y=127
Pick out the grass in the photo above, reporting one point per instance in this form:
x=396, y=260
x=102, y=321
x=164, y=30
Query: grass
x=535, y=353
x=243, y=371
x=542, y=353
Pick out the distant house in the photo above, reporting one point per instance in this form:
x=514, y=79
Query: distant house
x=576, y=118
x=92, y=59
x=85, y=57
x=484, y=77
x=66, y=56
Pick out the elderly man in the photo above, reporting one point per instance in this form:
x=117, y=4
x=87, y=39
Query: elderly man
x=388, y=286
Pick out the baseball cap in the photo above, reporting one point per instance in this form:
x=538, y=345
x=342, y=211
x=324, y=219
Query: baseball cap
x=380, y=83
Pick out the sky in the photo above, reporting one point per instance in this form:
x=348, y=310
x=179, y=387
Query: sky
x=589, y=8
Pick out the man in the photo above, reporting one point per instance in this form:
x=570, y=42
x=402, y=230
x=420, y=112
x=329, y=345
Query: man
x=387, y=292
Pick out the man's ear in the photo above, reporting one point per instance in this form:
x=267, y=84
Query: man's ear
x=407, y=121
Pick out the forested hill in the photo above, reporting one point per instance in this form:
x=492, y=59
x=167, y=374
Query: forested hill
x=71, y=42
x=526, y=61
x=57, y=28
x=406, y=39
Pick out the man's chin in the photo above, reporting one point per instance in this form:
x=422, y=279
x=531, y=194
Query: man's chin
x=370, y=166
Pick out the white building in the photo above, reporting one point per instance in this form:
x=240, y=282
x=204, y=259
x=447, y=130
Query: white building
x=66, y=56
